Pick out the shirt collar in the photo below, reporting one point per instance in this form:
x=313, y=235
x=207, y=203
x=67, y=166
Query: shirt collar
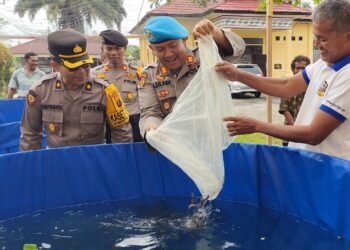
x=341, y=63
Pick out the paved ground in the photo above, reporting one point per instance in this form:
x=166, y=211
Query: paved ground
x=247, y=105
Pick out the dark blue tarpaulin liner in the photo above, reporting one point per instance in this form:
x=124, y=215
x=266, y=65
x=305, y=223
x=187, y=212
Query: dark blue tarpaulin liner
x=9, y=137
x=11, y=110
x=312, y=186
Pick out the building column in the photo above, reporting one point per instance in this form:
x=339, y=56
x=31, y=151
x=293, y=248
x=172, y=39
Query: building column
x=288, y=52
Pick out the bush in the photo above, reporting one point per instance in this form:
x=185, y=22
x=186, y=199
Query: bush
x=6, y=68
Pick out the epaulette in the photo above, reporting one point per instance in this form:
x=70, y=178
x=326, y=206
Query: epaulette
x=151, y=66
x=47, y=78
x=134, y=67
x=97, y=68
x=101, y=81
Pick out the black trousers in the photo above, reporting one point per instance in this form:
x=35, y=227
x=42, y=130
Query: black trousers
x=134, y=122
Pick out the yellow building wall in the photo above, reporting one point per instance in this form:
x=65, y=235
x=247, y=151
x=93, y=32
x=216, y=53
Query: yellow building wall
x=283, y=50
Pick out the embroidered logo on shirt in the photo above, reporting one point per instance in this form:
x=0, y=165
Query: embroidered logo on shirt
x=166, y=105
x=52, y=127
x=58, y=85
x=31, y=97
x=88, y=86
x=130, y=96
x=322, y=89
x=163, y=93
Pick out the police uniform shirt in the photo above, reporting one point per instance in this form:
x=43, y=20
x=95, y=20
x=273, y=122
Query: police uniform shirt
x=68, y=120
x=126, y=80
x=159, y=88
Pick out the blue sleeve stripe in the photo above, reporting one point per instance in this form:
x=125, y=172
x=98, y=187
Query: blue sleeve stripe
x=306, y=78
x=333, y=113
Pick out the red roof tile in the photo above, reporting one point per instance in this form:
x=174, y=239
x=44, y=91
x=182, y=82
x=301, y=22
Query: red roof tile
x=186, y=7
x=252, y=5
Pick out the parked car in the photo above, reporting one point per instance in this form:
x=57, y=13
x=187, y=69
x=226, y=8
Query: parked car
x=237, y=87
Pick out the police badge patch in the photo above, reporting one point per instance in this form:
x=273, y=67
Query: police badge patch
x=148, y=34
x=31, y=97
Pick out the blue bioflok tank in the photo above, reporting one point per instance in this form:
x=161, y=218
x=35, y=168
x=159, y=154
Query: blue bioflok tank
x=310, y=187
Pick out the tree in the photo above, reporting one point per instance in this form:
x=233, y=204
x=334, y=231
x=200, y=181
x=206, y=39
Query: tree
x=133, y=51
x=75, y=13
x=6, y=68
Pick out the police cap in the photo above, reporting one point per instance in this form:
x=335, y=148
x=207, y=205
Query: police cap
x=113, y=37
x=69, y=47
x=163, y=28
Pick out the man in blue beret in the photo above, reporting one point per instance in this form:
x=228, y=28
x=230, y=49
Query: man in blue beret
x=163, y=82
x=123, y=76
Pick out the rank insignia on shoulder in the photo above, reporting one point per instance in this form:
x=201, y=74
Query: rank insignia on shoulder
x=58, y=85
x=164, y=70
x=142, y=79
x=125, y=67
x=52, y=127
x=31, y=97
x=101, y=75
x=88, y=86
x=141, y=82
x=139, y=71
x=160, y=77
x=190, y=59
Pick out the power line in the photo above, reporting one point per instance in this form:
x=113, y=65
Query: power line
x=138, y=16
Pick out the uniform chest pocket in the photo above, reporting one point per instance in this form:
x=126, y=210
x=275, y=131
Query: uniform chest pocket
x=91, y=123
x=167, y=97
x=129, y=92
x=53, y=122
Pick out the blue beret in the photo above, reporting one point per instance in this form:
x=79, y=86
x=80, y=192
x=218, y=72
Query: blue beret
x=163, y=28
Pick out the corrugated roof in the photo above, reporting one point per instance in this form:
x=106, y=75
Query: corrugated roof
x=252, y=5
x=188, y=8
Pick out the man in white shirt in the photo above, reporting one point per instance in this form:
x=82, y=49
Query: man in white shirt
x=22, y=79
x=323, y=121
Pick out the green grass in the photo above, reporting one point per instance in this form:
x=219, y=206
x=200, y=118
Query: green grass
x=256, y=138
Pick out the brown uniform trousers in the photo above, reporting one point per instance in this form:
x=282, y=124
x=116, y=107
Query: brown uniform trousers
x=160, y=88
x=68, y=121
x=126, y=80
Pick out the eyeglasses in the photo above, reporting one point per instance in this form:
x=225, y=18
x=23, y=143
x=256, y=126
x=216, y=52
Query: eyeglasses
x=83, y=66
x=299, y=68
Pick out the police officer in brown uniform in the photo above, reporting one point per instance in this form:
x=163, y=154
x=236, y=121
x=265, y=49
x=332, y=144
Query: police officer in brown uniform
x=162, y=83
x=123, y=76
x=71, y=104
